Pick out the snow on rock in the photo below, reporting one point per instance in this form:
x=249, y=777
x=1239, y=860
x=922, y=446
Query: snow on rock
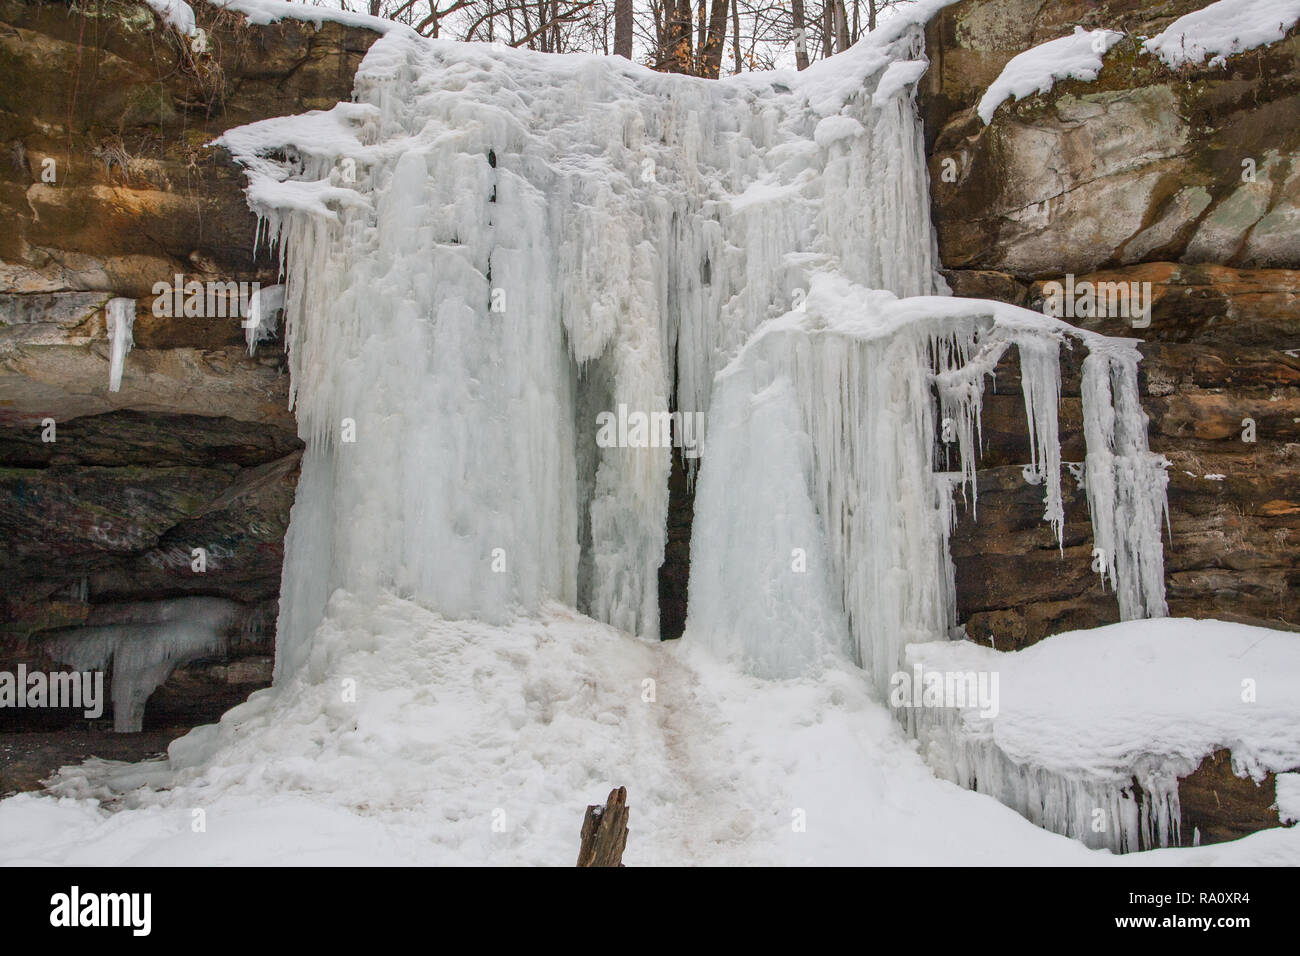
x=1223, y=29
x=269, y=11
x=1080, y=715
x=177, y=13
x=1288, y=797
x=1076, y=57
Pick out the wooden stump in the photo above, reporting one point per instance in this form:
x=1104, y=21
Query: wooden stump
x=604, y=832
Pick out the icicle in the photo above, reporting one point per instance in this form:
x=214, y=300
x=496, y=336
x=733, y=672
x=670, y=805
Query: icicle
x=260, y=323
x=1125, y=482
x=1040, y=381
x=142, y=652
x=121, y=316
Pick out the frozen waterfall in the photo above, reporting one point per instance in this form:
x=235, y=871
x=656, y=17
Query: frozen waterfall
x=484, y=252
x=488, y=250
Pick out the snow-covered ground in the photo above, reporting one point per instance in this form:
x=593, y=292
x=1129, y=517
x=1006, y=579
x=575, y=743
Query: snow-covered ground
x=476, y=744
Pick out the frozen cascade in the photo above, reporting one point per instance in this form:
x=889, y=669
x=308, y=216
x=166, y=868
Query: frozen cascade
x=871, y=506
x=120, y=318
x=487, y=249
x=1125, y=483
x=484, y=251
x=142, y=651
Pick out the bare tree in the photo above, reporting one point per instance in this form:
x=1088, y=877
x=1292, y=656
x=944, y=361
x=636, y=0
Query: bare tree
x=715, y=40
x=623, y=15
x=800, y=34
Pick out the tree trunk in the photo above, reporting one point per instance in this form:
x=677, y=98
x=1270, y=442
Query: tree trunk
x=711, y=54
x=735, y=33
x=800, y=34
x=678, y=58
x=623, y=28
x=604, y=829
x=841, y=27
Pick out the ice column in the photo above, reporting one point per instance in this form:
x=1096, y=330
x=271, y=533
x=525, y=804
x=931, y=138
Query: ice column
x=121, y=316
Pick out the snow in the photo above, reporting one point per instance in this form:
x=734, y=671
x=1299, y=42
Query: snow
x=1288, y=797
x=1223, y=29
x=269, y=11
x=120, y=314
x=142, y=651
x=456, y=725
x=176, y=13
x=1076, y=57
x=1082, y=714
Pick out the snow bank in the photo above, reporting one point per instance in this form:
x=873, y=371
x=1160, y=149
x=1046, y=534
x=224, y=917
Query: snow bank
x=1083, y=715
x=1076, y=57
x=1223, y=29
x=464, y=743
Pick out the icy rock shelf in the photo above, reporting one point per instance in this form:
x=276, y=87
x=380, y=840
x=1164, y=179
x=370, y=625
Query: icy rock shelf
x=1095, y=728
x=487, y=248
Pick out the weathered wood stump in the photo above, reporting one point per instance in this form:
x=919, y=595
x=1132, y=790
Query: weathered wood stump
x=604, y=832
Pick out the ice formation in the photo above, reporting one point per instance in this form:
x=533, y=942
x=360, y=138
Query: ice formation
x=486, y=251
x=153, y=638
x=1096, y=752
x=467, y=292
x=263, y=307
x=827, y=422
x=121, y=317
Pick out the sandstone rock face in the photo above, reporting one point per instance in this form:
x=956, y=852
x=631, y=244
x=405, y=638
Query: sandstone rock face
x=1145, y=164
x=1135, y=178
x=107, y=188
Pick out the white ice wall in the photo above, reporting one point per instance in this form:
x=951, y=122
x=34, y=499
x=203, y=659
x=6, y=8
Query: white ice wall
x=631, y=230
